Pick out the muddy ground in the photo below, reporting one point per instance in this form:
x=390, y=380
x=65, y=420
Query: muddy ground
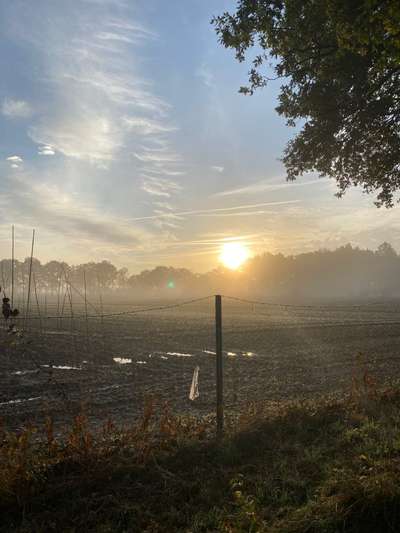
x=109, y=366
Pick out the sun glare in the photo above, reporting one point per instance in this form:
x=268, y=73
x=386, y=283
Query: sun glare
x=233, y=255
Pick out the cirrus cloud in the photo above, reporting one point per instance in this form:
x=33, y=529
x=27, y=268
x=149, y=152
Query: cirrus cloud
x=12, y=108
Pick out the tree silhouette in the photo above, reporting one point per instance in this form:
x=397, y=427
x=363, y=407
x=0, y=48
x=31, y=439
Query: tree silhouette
x=347, y=272
x=339, y=63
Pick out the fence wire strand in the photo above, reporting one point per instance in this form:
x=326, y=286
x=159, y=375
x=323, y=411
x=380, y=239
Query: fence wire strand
x=121, y=313
x=319, y=307
x=94, y=377
x=270, y=351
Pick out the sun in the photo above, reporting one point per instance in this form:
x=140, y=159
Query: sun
x=233, y=255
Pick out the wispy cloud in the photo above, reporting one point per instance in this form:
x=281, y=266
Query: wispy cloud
x=111, y=36
x=163, y=205
x=12, y=108
x=100, y=108
x=160, y=187
x=136, y=31
x=158, y=158
x=146, y=126
x=50, y=208
x=126, y=32
x=238, y=214
x=94, y=138
x=15, y=161
x=101, y=105
x=160, y=166
x=217, y=168
x=266, y=185
x=46, y=149
x=235, y=209
x=206, y=76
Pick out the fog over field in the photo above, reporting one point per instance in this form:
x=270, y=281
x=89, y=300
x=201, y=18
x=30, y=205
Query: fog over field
x=293, y=327
x=345, y=273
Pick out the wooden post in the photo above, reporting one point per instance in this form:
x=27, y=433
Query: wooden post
x=58, y=299
x=37, y=304
x=29, y=280
x=86, y=312
x=12, y=267
x=218, y=351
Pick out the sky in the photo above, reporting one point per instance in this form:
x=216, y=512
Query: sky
x=123, y=137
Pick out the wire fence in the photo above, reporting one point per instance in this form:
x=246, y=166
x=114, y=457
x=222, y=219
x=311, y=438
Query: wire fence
x=72, y=353
x=106, y=363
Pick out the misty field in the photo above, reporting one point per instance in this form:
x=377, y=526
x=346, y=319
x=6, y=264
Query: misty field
x=109, y=366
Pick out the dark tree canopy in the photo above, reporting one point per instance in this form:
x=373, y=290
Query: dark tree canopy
x=339, y=61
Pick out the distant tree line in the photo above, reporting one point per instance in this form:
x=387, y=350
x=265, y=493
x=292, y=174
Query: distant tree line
x=345, y=272
x=48, y=276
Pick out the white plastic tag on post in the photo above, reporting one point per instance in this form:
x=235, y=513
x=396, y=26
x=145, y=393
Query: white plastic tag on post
x=194, y=389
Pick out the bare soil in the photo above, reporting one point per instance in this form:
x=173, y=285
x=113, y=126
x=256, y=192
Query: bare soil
x=108, y=367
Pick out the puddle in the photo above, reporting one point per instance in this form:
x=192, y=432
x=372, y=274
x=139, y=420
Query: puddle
x=158, y=355
x=62, y=332
x=62, y=367
x=122, y=360
x=108, y=387
x=20, y=400
x=178, y=354
x=24, y=372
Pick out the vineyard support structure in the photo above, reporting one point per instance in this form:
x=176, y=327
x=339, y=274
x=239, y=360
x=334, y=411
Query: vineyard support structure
x=219, y=365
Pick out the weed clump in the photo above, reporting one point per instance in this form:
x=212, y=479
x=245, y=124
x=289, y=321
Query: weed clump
x=317, y=466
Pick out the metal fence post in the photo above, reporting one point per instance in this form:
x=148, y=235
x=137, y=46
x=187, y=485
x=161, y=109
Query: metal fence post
x=219, y=368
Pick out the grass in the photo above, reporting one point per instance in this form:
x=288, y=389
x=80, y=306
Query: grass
x=322, y=466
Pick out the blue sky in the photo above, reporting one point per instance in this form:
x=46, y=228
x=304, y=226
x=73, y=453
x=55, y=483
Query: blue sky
x=123, y=137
